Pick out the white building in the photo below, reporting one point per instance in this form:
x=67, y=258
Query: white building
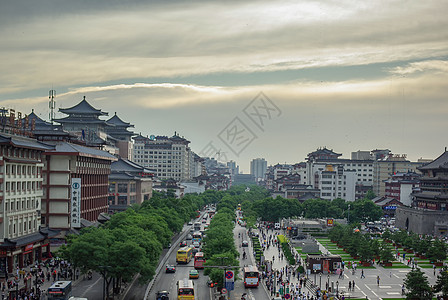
x=258, y=168
x=336, y=183
x=168, y=157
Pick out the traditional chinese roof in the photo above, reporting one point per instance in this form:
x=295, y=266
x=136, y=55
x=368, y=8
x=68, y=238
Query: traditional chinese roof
x=74, y=149
x=23, y=142
x=83, y=108
x=124, y=165
x=115, y=120
x=323, y=153
x=440, y=162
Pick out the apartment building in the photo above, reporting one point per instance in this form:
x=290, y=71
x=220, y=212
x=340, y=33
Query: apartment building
x=168, y=157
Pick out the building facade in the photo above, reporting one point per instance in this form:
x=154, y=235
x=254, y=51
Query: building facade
x=90, y=168
x=22, y=241
x=429, y=211
x=129, y=184
x=258, y=168
x=168, y=157
x=401, y=186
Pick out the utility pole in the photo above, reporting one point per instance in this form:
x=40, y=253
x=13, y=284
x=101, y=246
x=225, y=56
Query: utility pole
x=52, y=104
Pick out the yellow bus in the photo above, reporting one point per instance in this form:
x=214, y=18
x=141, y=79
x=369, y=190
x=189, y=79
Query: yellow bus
x=185, y=289
x=184, y=255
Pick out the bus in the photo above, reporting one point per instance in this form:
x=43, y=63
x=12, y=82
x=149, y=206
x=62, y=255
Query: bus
x=251, y=276
x=185, y=289
x=199, y=260
x=197, y=237
x=197, y=226
x=184, y=255
x=60, y=290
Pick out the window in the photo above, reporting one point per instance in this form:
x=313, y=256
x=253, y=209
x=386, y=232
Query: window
x=122, y=188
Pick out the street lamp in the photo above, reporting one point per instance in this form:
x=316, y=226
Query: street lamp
x=320, y=281
x=337, y=288
x=328, y=282
x=348, y=214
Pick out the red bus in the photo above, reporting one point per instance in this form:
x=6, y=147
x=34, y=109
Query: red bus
x=199, y=260
x=251, y=276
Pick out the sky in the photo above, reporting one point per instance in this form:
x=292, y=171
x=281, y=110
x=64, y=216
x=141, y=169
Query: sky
x=240, y=79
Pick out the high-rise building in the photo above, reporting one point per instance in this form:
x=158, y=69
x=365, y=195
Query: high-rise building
x=258, y=167
x=169, y=157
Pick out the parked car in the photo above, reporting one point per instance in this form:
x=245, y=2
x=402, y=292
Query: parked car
x=189, y=237
x=194, y=274
x=170, y=269
x=245, y=244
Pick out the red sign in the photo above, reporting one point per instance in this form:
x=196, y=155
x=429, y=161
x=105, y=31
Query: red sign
x=29, y=247
x=330, y=222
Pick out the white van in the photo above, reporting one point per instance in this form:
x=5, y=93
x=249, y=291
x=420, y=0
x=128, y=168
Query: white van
x=277, y=225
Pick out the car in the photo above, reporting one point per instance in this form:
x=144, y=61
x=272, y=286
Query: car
x=189, y=237
x=190, y=223
x=162, y=295
x=194, y=274
x=196, y=244
x=245, y=244
x=204, y=221
x=183, y=244
x=170, y=269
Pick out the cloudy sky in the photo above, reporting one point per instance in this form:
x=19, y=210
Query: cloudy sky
x=247, y=79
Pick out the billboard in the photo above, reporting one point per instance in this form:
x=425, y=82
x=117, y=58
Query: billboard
x=75, y=207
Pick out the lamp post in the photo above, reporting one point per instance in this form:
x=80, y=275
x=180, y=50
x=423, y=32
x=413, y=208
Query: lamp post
x=337, y=288
x=328, y=282
x=348, y=214
x=320, y=281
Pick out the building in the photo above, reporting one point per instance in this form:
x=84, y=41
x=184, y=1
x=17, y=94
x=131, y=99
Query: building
x=118, y=130
x=169, y=157
x=401, y=185
x=388, y=205
x=391, y=164
x=75, y=185
x=22, y=240
x=336, y=183
x=129, y=184
x=429, y=213
x=233, y=168
x=362, y=170
x=258, y=168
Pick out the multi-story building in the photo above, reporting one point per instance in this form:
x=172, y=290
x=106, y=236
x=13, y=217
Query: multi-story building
x=233, y=168
x=336, y=183
x=429, y=211
x=118, y=129
x=129, y=184
x=258, y=168
x=169, y=157
x=358, y=173
x=385, y=167
x=75, y=185
x=401, y=186
x=22, y=240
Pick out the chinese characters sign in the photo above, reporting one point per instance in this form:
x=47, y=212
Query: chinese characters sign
x=75, y=209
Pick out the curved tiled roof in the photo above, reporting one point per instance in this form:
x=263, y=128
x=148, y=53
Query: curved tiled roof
x=115, y=120
x=83, y=107
x=440, y=162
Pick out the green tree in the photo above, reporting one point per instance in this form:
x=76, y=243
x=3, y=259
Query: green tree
x=442, y=282
x=386, y=254
x=437, y=251
x=417, y=285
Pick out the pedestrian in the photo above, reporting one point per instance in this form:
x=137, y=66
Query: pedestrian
x=349, y=286
x=362, y=274
x=434, y=268
x=353, y=285
x=378, y=280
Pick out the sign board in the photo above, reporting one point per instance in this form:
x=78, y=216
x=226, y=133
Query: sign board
x=330, y=222
x=287, y=296
x=75, y=207
x=223, y=291
x=229, y=276
x=230, y=285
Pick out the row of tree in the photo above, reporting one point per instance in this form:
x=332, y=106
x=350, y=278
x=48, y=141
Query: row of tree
x=257, y=203
x=434, y=249
x=131, y=242
x=219, y=243
x=361, y=245
x=418, y=287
